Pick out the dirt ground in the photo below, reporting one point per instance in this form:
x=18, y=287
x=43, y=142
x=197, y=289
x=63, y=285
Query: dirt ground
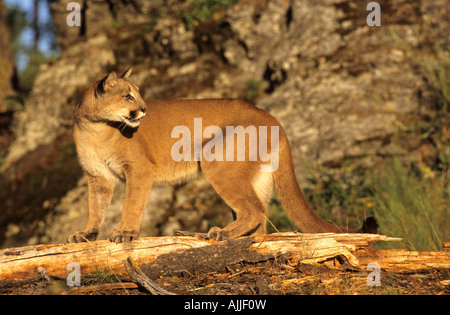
x=273, y=278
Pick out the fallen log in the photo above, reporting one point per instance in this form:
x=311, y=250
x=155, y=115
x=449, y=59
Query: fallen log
x=24, y=262
x=401, y=260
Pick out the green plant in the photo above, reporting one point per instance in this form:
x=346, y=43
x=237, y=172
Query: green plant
x=253, y=88
x=412, y=204
x=28, y=75
x=436, y=75
x=278, y=220
x=433, y=64
x=15, y=103
x=105, y=275
x=202, y=10
x=341, y=196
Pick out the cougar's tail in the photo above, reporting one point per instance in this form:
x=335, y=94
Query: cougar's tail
x=295, y=203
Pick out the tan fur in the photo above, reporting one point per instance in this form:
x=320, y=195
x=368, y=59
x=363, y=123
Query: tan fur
x=119, y=136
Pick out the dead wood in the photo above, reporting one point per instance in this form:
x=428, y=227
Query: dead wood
x=401, y=260
x=164, y=254
x=446, y=246
x=137, y=275
x=103, y=287
x=189, y=233
x=23, y=263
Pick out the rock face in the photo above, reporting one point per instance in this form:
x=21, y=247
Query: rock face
x=337, y=85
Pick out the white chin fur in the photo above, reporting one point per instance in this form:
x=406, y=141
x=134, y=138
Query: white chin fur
x=129, y=123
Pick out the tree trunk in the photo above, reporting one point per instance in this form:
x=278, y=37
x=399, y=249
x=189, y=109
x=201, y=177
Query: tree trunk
x=6, y=60
x=36, y=27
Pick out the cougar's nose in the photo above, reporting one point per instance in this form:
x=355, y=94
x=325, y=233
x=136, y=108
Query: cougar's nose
x=144, y=110
x=140, y=114
x=137, y=114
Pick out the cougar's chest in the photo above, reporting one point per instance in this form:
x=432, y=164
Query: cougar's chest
x=98, y=160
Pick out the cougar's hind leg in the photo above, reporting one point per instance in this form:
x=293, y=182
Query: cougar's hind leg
x=263, y=185
x=240, y=187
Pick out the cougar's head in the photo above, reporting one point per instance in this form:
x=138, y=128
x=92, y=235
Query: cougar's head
x=119, y=100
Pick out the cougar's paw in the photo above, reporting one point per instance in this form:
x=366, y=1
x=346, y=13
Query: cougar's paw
x=79, y=237
x=123, y=236
x=218, y=234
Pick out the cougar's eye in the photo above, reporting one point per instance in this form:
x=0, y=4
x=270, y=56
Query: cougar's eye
x=129, y=97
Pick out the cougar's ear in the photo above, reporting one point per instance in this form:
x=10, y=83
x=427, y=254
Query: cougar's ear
x=127, y=73
x=107, y=83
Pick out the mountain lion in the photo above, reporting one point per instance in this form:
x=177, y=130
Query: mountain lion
x=119, y=136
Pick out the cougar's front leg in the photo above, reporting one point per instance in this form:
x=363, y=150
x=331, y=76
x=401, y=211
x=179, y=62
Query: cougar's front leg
x=100, y=191
x=138, y=186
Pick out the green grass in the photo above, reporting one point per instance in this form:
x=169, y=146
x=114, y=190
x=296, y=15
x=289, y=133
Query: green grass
x=413, y=204
x=278, y=220
x=98, y=276
x=434, y=67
